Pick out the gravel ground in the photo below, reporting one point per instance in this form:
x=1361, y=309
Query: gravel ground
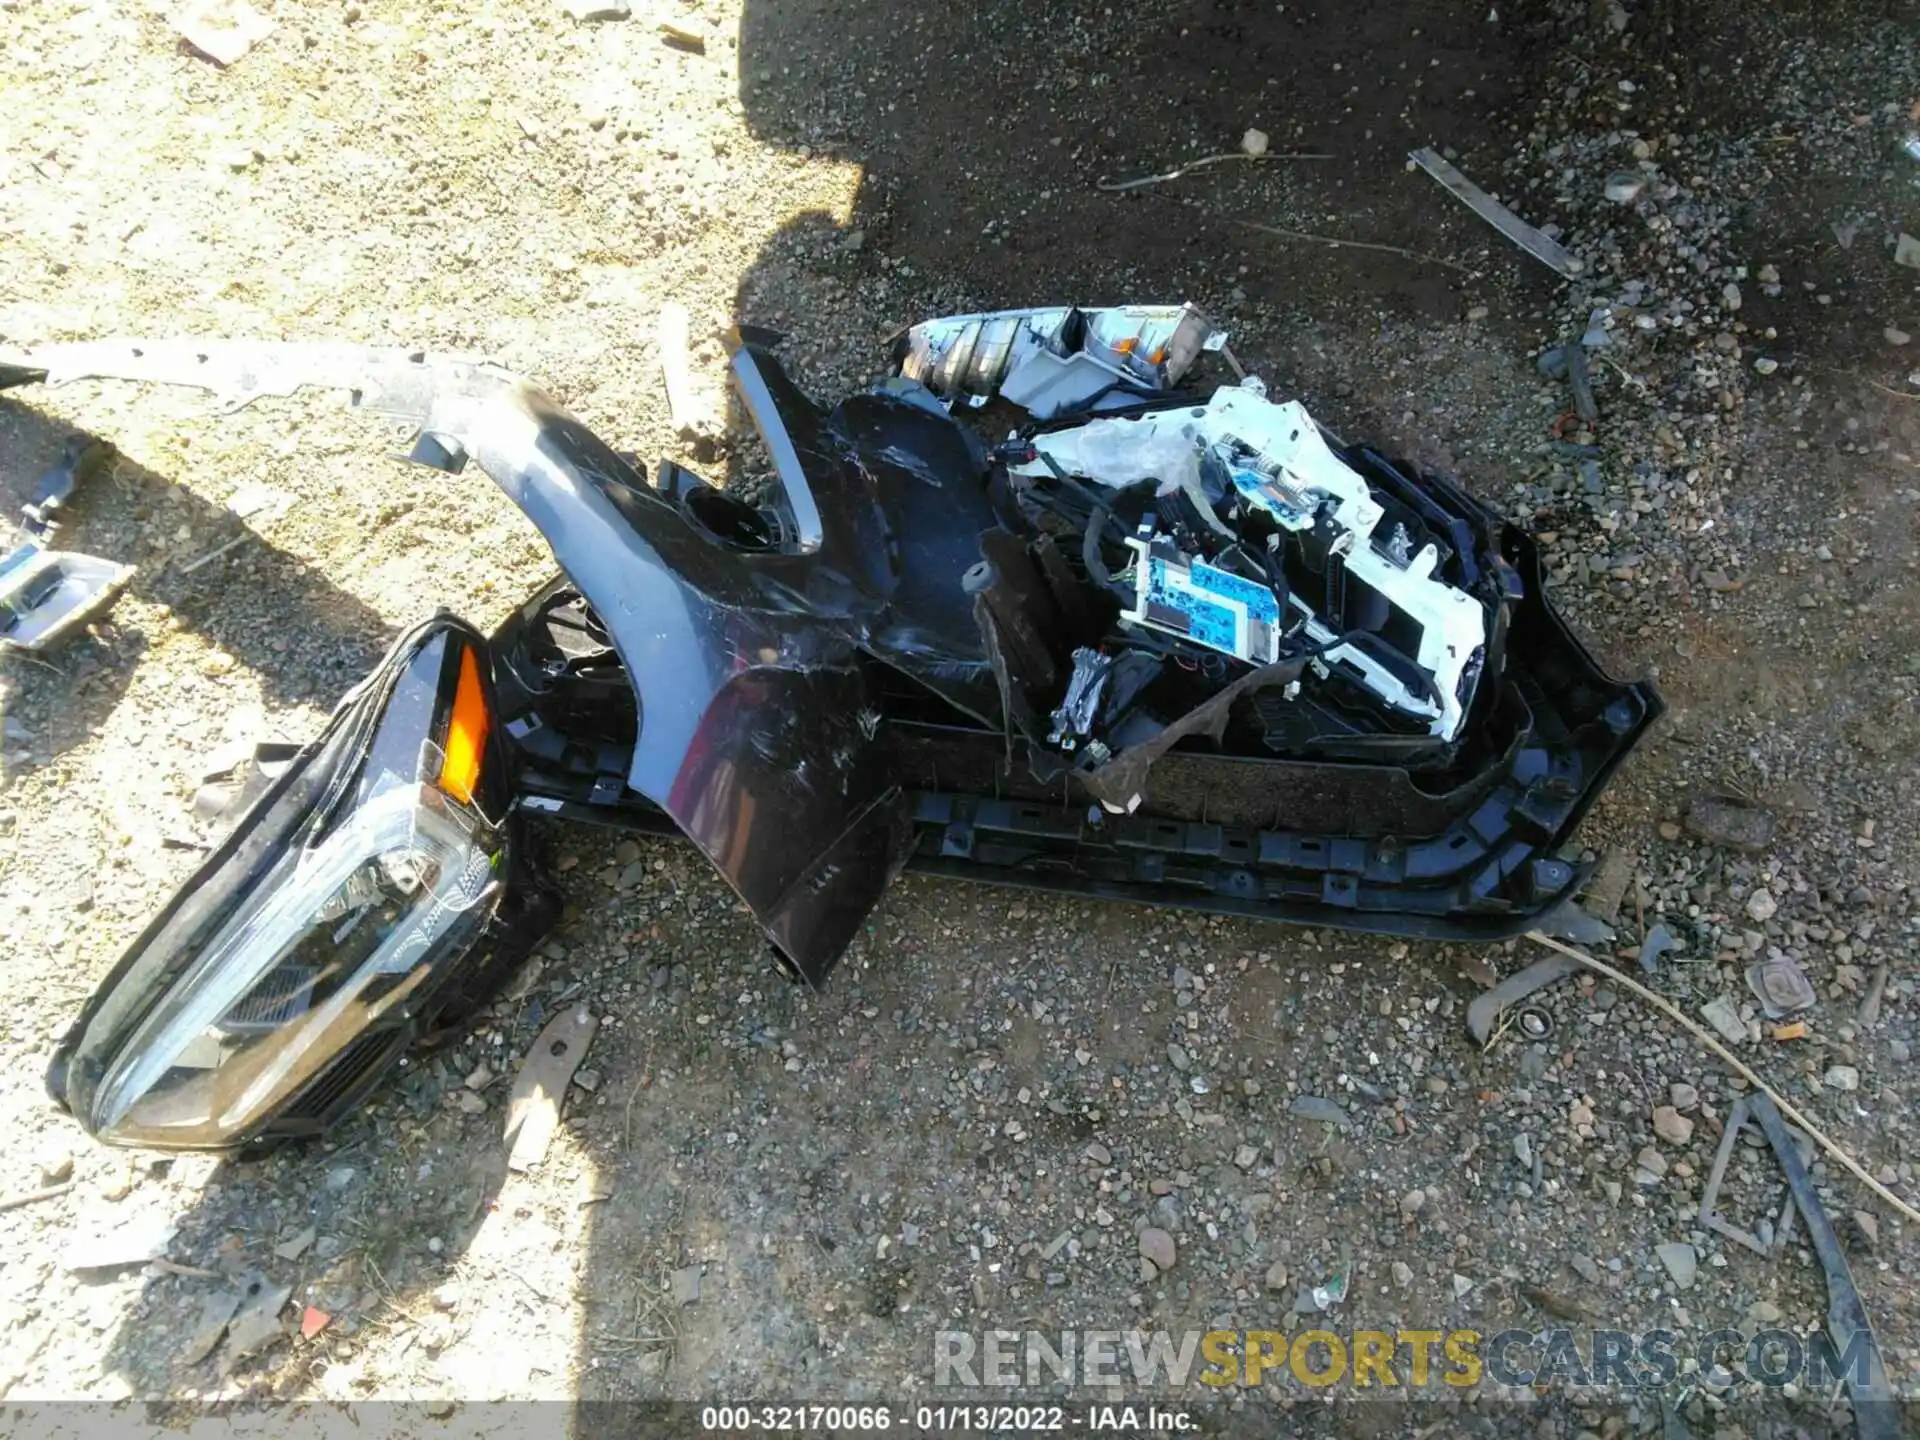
x=999, y=1106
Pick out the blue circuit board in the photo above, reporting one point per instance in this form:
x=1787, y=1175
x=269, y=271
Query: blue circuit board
x=1223, y=611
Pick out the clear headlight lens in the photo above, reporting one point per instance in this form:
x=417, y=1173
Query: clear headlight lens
x=305, y=954
x=330, y=943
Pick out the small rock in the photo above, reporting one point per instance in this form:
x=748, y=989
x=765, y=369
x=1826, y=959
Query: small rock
x=1623, y=187
x=1651, y=1165
x=1177, y=1057
x=1277, y=1275
x=1762, y=906
x=1313, y=1107
x=1670, y=1125
x=1681, y=1260
x=1765, y=365
x=1254, y=143
x=1461, y=1285
x=1099, y=1154
x=1869, y=1226
x=1730, y=295
x=294, y=1246
x=1246, y=1157
x=1842, y=1077
x=1765, y=1312
x=1906, y=251
x=1721, y=1014
x=1412, y=1202
x=1402, y=1274
x=1896, y=336
x=1523, y=1150
x=1157, y=1245
x=685, y=1284
x=222, y=30
x=56, y=1165
x=587, y=11
x=1683, y=1095
x=1584, y=1267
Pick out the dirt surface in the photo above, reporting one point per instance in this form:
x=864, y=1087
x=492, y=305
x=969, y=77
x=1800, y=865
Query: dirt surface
x=764, y=1192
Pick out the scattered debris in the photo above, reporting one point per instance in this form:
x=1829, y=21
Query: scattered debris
x=297, y=1245
x=1313, y=1107
x=312, y=1322
x=1608, y=884
x=47, y=594
x=1745, y=1071
x=533, y=1107
x=1781, y=987
x=1876, y=1414
x=222, y=30
x=1659, y=942
x=682, y=37
x=1485, y=1010
x=1534, y=1023
x=1682, y=1262
x=1140, y=182
x=256, y=1324
x=685, y=1285
x=122, y=1243
x=216, y=1310
x=589, y=11
x=1324, y=1297
x=1546, y=250
x=1721, y=1013
x=1729, y=821
x=1795, y=1031
x=1568, y=921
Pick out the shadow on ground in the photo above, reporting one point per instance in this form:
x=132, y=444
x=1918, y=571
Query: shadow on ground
x=130, y=514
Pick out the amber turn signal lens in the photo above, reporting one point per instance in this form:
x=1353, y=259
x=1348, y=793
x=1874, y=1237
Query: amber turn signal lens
x=466, y=733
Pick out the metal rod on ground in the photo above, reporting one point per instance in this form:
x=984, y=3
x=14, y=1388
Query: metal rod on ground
x=1740, y=1068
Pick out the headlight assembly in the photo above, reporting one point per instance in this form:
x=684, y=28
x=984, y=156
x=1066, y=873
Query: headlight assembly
x=299, y=961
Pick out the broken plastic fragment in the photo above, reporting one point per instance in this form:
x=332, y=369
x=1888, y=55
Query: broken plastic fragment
x=1542, y=247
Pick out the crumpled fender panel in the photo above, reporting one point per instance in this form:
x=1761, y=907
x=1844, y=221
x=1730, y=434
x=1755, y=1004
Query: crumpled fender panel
x=757, y=731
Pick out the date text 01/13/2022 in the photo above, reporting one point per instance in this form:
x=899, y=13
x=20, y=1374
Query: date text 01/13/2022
x=945, y=1419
